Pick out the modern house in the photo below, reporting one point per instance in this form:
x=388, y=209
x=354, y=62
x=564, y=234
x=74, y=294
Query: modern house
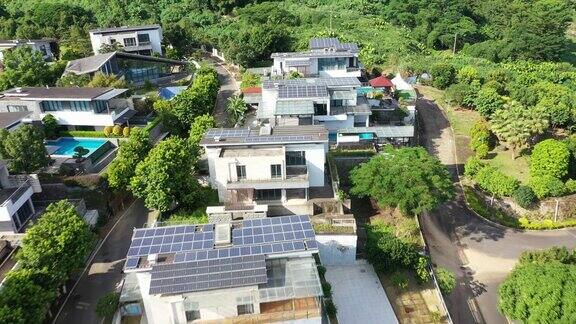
x=326, y=57
x=16, y=207
x=332, y=102
x=263, y=166
x=84, y=108
x=143, y=40
x=11, y=120
x=134, y=68
x=48, y=47
x=247, y=271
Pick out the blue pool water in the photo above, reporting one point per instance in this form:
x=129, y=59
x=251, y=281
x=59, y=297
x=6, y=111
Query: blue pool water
x=66, y=145
x=366, y=136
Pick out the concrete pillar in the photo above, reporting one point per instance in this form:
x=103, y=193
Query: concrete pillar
x=284, y=199
x=306, y=190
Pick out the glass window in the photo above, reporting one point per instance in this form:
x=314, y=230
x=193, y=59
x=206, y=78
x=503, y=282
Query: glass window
x=332, y=63
x=296, y=158
x=143, y=39
x=52, y=106
x=14, y=108
x=276, y=170
x=130, y=41
x=269, y=194
x=100, y=106
x=245, y=309
x=241, y=172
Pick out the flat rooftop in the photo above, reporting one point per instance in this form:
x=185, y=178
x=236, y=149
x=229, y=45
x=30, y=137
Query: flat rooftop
x=9, y=119
x=243, y=152
x=123, y=29
x=326, y=82
x=58, y=93
x=193, y=257
x=278, y=135
x=322, y=47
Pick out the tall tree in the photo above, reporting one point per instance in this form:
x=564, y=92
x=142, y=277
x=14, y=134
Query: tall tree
x=407, y=178
x=166, y=175
x=200, y=125
x=516, y=124
x=22, y=300
x=24, y=67
x=130, y=153
x=24, y=148
x=57, y=243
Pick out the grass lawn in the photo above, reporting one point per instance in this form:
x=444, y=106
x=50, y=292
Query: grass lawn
x=196, y=215
x=517, y=168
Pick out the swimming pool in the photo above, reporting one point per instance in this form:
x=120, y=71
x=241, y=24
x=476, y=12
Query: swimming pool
x=65, y=146
x=366, y=136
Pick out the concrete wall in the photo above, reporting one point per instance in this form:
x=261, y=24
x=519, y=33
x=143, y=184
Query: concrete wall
x=337, y=249
x=80, y=118
x=334, y=123
x=31, y=106
x=315, y=160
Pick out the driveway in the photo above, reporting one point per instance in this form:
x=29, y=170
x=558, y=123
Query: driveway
x=480, y=253
x=358, y=294
x=105, y=272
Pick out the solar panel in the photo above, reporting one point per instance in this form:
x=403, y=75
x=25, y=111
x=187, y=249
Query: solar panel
x=303, y=91
x=228, y=132
x=170, y=240
x=131, y=263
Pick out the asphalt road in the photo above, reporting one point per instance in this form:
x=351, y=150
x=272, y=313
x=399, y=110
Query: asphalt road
x=480, y=253
x=228, y=88
x=105, y=272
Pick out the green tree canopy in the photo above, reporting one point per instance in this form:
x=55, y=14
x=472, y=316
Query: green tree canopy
x=516, y=124
x=550, y=157
x=236, y=109
x=167, y=175
x=487, y=101
x=57, y=243
x=24, y=67
x=24, y=148
x=407, y=178
x=130, y=153
x=22, y=300
x=200, y=125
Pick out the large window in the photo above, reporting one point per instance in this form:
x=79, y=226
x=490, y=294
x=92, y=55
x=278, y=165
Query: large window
x=320, y=109
x=276, y=170
x=52, y=106
x=332, y=63
x=130, y=41
x=241, y=172
x=268, y=194
x=143, y=39
x=80, y=106
x=14, y=108
x=100, y=106
x=296, y=158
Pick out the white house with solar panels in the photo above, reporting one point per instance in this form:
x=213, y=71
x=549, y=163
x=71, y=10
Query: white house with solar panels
x=326, y=57
x=332, y=102
x=277, y=167
x=252, y=271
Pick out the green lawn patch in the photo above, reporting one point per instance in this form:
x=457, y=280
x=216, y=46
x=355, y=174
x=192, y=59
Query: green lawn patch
x=196, y=215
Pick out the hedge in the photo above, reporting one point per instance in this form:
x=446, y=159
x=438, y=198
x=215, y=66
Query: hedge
x=94, y=134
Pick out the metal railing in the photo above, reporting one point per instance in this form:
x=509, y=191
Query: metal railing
x=17, y=193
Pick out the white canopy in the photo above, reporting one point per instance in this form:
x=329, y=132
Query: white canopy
x=401, y=84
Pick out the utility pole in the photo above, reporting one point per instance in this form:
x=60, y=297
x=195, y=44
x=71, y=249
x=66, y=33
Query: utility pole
x=454, y=47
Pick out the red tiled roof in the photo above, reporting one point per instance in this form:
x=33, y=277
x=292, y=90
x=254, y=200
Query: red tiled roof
x=380, y=82
x=252, y=90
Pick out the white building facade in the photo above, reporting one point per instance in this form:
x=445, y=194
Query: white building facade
x=72, y=107
x=266, y=166
x=143, y=40
x=326, y=57
x=47, y=47
x=16, y=207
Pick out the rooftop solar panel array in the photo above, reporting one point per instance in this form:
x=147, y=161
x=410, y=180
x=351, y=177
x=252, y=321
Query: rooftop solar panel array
x=328, y=82
x=228, y=132
x=208, y=274
x=303, y=91
x=318, y=43
x=279, y=139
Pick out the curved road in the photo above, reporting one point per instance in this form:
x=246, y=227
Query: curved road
x=480, y=253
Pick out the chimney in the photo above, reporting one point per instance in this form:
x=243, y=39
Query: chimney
x=152, y=258
x=265, y=130
x=222, y=234
x=217, y=138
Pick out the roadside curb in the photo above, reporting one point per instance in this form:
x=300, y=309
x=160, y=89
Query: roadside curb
x=491, y=222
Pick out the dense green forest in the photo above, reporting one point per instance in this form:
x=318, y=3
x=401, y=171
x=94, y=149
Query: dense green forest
x=248, y=31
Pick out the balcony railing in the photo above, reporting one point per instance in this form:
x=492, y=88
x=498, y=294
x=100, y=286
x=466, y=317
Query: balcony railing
x=293, y=173
x=17, y=193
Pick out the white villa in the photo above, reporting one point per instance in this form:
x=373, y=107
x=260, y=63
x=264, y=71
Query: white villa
x=88, y=108
x=326, y=57
x=276, y=167
x=16, y=207
x=143, y=40
x=248, y=271
x=48, y=47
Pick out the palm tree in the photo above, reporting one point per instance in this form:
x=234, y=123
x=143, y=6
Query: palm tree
x=236, y=108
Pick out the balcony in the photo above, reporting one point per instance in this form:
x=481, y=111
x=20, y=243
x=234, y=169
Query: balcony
x=296, y=177
x=12, y=195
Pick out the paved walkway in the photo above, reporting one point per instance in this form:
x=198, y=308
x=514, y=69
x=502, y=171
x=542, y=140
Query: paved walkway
x=228, y=88
x=105, y=272
x=480, y=253
x=358, y=294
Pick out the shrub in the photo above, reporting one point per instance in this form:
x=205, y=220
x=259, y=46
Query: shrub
x=50, y=126
x=117, y=130
x=421, y=267
x=126, y=131
x=555, y=253
x=443, y=75
x=321, y=271
x=467, y=74
x=472, y=166
x=524, y=196
x=547, y=186
x=495, y=182
x=446, y=280
x=487, y=101
x=481, y=138
x=570, y=186
x=331, y=309
x=107, y=305
x=399, y=280
x=107, y=130
x=327, y=289
x=550, y=157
